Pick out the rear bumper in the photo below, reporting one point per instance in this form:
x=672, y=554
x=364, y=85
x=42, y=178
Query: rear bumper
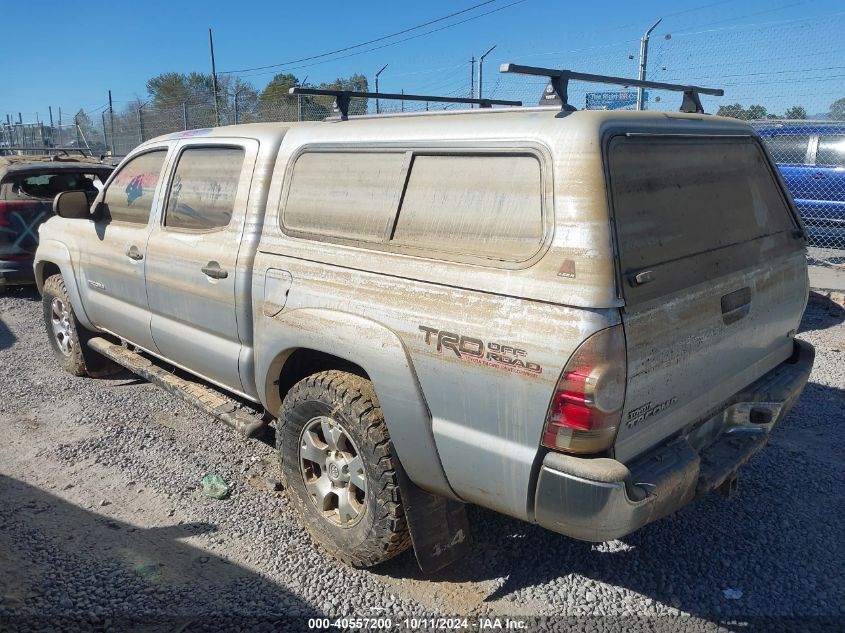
x=16, y=273
x=602, y=499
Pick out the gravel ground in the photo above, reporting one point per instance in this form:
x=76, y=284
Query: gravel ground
x=103, y=525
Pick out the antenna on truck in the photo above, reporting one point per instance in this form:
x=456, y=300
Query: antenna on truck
x=343, y=98
x=556, y=91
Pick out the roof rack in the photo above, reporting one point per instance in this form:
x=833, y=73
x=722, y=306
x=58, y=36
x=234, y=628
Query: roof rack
x=559, y=82
x=343, y=97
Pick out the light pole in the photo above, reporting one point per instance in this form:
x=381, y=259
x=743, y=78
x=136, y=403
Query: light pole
x=378, y=109
x=643, y=62
x=481, y=68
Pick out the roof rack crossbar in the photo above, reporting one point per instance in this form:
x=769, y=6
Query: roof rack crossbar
x=344, y=97
x=559, y=83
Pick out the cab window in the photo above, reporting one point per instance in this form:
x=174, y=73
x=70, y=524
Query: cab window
x=129, y=197
x=202, y=193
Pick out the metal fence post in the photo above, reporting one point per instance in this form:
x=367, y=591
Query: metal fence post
x=140, y=124
x=236, y=107
x=105, y=137
x=185, y=114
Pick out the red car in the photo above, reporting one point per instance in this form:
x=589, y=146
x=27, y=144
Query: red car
x=28, y=185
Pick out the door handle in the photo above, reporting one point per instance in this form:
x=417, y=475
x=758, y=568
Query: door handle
x=213, y=270
x=736, y=305
x=134, y=253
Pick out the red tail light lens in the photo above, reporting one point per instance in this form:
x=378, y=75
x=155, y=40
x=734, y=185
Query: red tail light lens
x=586, y=408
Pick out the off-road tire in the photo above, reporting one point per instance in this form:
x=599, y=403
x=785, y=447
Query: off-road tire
x=350, y=401
x=80, y=360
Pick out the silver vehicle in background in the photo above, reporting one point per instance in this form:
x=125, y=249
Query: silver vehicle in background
x=580, y=319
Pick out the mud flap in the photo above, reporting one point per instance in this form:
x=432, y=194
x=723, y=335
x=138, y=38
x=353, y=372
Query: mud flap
x=439, y=526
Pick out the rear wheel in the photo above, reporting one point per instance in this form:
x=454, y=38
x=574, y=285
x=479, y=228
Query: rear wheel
x=68, y=338
x=338, y=462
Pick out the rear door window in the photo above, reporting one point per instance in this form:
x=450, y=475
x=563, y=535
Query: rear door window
x=790, y=149
x=129, y=196
x=831, y=150
x=202, y=193
x=674, y=199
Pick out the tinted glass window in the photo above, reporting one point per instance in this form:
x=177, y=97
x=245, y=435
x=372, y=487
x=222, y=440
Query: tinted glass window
x=476, y=205
x=349, y=195
x=47, y=186
x=788, y=148
x=202, y=194
x=129, y=196
x=674, y=199
x=831, y=150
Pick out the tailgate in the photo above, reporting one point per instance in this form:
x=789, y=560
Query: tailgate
x=714, y=276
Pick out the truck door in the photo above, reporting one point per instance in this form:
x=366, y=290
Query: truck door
x=111, y=268
x=191, y=270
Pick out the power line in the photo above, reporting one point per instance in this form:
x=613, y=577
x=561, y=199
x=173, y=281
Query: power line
x=413, y=37
x=354, y=46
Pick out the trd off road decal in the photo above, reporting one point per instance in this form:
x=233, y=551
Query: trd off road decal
x=474, y=350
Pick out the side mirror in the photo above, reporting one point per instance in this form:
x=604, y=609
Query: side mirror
x=71, y=204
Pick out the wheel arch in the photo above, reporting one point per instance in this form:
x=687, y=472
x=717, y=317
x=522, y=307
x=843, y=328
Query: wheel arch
x=53, y=258
x=294, y=342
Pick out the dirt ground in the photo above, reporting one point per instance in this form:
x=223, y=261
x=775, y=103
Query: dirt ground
x=103, y=525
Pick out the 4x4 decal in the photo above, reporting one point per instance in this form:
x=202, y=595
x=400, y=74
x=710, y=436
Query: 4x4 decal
x=474, y=350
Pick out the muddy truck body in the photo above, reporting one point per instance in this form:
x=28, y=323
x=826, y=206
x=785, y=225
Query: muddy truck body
x=583, y=320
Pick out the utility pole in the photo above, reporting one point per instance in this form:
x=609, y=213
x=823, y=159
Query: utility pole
x=378, y=109
x=61, y=139
x=472, y=79
x=481, y=68
x=644, y=63
x=111, y=123
x=214, y=79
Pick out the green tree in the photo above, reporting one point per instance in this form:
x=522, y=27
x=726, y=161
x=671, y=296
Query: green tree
x=356, y=82
x=756, y=112
x=795, y=112
x=738, y=112
x=173, y=89
x=275, y=104
x=734, y=110
x=837, y=110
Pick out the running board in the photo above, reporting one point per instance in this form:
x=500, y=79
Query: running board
x=198, y=394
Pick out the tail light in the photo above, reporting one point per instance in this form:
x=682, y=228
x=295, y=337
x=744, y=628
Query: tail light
x=586, y=408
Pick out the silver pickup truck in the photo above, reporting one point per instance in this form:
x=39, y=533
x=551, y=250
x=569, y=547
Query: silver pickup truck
x=580, y=319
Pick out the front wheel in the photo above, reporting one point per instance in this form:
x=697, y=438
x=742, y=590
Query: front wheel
x=68, y=338
x=339, y=466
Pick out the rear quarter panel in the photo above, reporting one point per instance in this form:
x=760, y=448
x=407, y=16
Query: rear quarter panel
x=486, y=365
